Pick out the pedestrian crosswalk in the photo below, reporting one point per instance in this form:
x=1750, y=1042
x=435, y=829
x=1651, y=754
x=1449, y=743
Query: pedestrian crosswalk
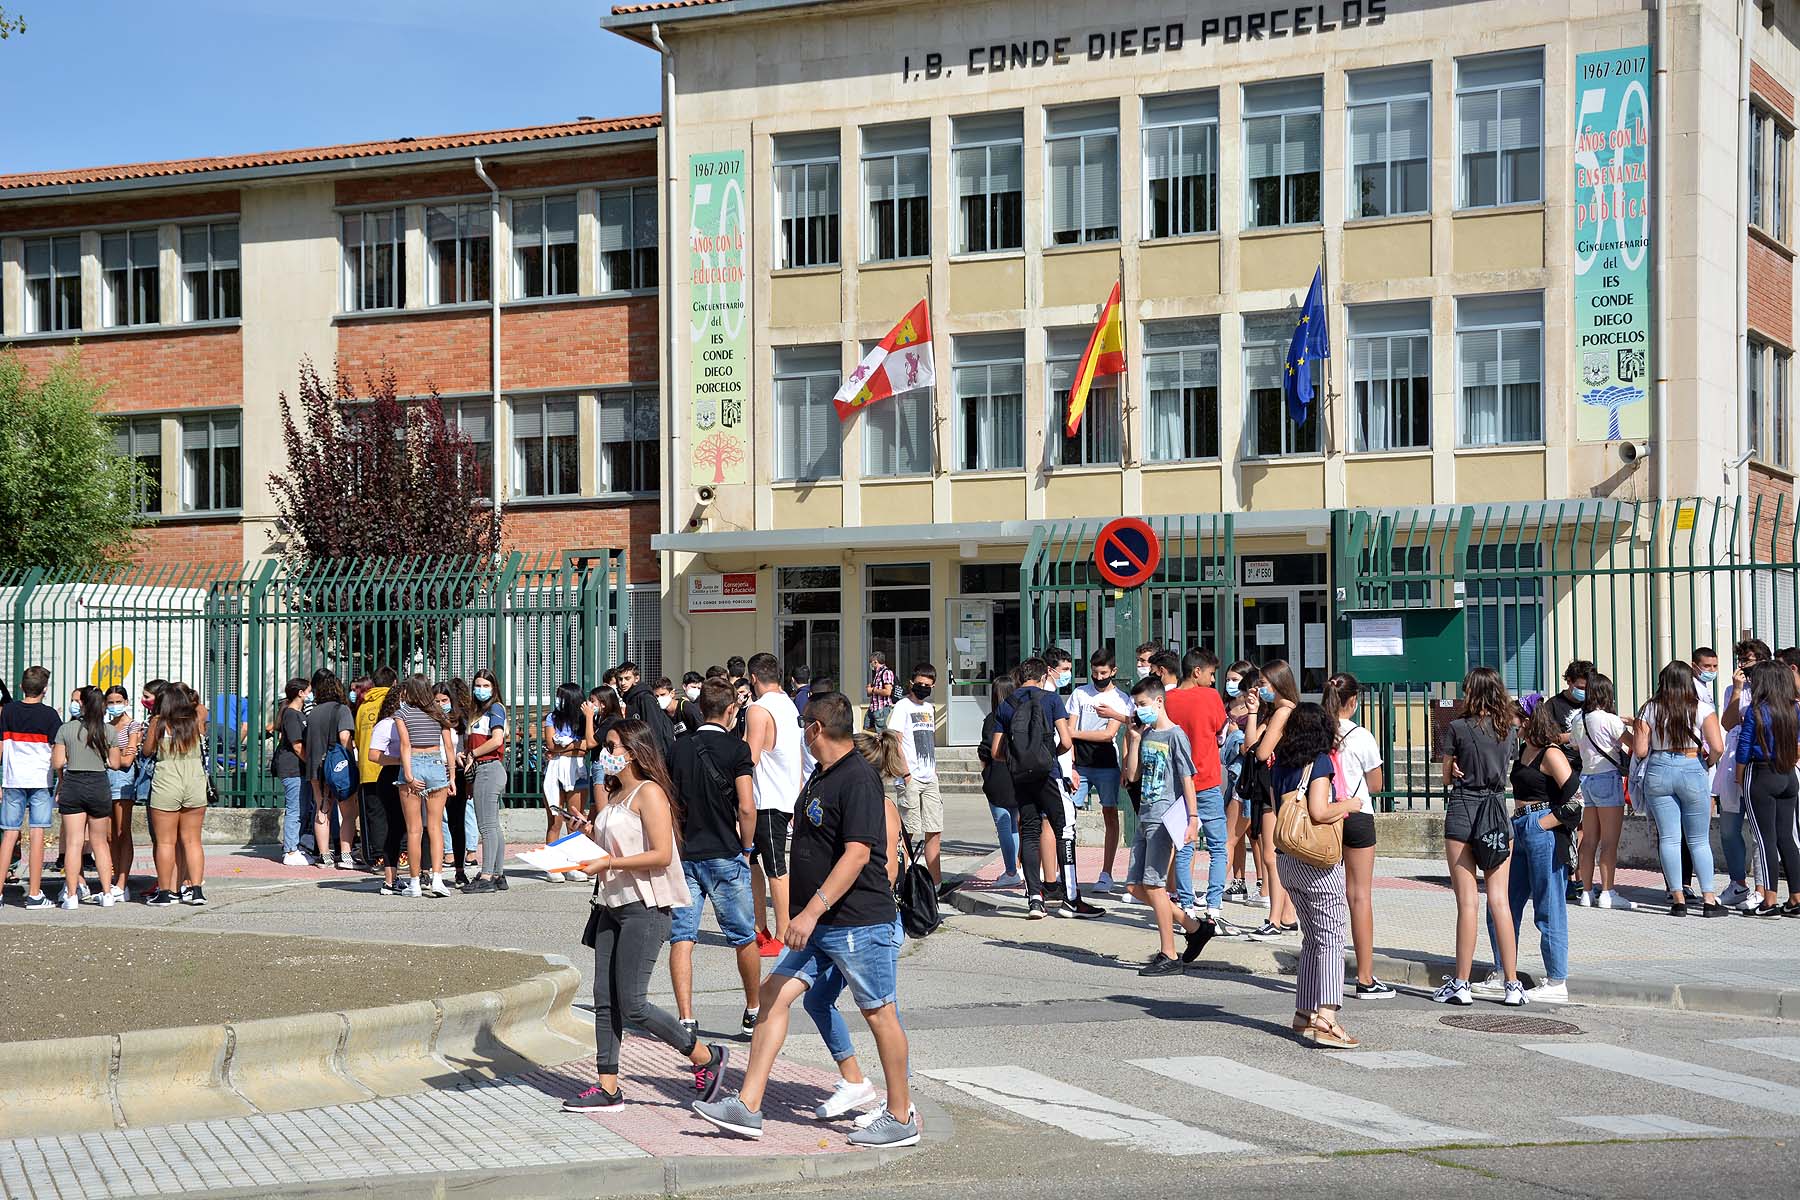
x=1346, y=1119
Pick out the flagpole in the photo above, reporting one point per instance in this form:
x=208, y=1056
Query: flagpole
x=1125, y=376
x=1325, y=299
x=937, y=413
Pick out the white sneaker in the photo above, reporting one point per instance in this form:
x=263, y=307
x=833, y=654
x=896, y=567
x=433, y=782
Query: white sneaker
x=1009, y=880
x=843, y=1098
x=1515, y=995
x=119, y=895
x=1102, y=885
x=1603, y=900
x=1751, y=903
x=1493, y=985
x=107, y=900
x=1549, y=993
x=1586, y=899
x=68, y=903
x=412, y=888
x=295, y=858
x=1612, y=899
x=438, y=886
x=1734, y=895
x=1453, y=991
x=574, y=876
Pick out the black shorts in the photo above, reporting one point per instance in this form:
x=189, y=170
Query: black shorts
x=1462, y=811
x=772, y=842
x=84, y=793
x=1359, y=831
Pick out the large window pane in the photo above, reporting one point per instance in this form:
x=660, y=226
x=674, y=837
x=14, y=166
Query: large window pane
x=1499, y=354
x=990, y=395
x=987, y=163
x=808, y=434
x=1270, y=431
x=1181, y=378
x=1499, y=126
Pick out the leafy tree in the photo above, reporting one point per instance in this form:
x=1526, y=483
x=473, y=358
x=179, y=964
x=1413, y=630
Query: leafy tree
x=371, y=476
x=10, y=25
x=66, y=496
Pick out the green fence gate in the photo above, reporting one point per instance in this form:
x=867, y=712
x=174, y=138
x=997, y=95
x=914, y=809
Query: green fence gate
x=236, y=632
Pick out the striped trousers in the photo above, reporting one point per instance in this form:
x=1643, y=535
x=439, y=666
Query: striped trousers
x=1324, y=916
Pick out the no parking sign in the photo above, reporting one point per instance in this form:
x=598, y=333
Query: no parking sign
x=1127, y=552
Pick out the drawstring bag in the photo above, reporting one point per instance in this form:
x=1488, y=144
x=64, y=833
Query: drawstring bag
x=917, y=897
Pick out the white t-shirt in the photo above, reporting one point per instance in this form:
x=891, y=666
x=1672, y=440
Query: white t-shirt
x=777, y=779
x=1693, y=739
x=1705, y=692
x=385, y=738
x=917, y=726
x=1596, y=737
x=1357, y=755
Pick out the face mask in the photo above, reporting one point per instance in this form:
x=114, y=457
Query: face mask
x=352, y=699
x=667, y=701
x=1143, y=672
x=74, y=708
x=148, y=704
x=1268, y=695
x=692, y=691
x=612, y=764
x=1146, y=714
x=114, y=711
x=1578, y=694
x=444, y=707
x=309, y=698
x=1231, y=688
x=1100, y=685
x=921, y=691
x=483, y=693
x=1065, y=679
x=1708, y=676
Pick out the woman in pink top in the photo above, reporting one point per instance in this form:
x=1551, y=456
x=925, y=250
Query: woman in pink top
x=637, y=884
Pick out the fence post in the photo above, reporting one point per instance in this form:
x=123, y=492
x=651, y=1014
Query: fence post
x=593, y=655
x=27, y=585
x=256, y=688
x=503, y=590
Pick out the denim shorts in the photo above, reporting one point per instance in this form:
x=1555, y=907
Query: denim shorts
x=122, y=785
x=1151, y=850
x=14, y=803
x=430, y=771
x=726, y=882
x=1099, y=781
x=866, y=955
x=1606, y=790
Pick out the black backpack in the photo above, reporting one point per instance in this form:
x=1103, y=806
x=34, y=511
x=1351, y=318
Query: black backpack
x=1491, y=839
x=917, y=896
x=1030, y=743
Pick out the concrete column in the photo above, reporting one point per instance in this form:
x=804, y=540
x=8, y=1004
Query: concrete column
x=92, y=307
x=587, y=241
x=416, y=252
x=168, y=269
x=12, y=286
x=503, y=239
x=587, y=443
x=169, y=440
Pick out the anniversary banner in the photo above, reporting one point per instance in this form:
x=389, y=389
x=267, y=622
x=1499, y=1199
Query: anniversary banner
x=1612, y=244
x=719, y=323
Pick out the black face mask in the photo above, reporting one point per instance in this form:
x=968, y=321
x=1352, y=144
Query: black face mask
x=921, y=691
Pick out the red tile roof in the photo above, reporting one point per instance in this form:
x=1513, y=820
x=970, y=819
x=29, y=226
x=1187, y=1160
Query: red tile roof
x=324, y=154
x=626, y=10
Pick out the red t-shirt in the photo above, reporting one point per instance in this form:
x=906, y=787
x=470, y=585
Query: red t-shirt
x=1201, y=714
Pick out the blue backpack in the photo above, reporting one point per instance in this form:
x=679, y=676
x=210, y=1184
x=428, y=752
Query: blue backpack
x=338, y=776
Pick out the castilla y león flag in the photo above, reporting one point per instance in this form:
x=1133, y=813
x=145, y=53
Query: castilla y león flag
x=900, y=362
x=1105, y=355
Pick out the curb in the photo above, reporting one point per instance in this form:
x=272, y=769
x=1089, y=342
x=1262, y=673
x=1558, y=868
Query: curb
x=1427, y=971
x=647, y=1176
x=197, y=1073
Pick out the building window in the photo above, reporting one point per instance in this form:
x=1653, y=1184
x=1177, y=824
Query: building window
x=543, y=247
x=809, y=604
x=375, y=260
x=141, y=441
x=1181, y=376
x=1096, y=442
x=1081, y=157
x=546, y=448
x=459, y=241
x=210, y=273
x=897, y=597
x=1500, y=362
x=628, y=245
x=1270, y=432
x=806, y=198
x=1500, y=128
x=130, y=279
x=630, y=454
x=808, y=440
x=1770, y=142
x=1390, y=141
x=475, y=418
x=990, y=402
x=643, y=634
x=1181, y=164
x=1390, y=376
x=1505, y=602
x=897, y=432
x=52, y=284
x=1281, y=152
x=211, y=463
x=1767, y=390
x=896, y=181
x=987, y=156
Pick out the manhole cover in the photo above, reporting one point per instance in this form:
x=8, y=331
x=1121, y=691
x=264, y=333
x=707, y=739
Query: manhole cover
x=1514, y=1026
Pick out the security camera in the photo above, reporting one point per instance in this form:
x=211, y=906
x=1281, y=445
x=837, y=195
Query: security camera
x=1631, y=453
x=705, y=494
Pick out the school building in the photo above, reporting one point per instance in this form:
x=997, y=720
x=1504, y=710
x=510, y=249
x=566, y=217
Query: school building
x=1557, y=254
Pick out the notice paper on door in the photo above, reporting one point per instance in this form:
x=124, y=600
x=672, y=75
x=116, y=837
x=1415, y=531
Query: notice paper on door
x=1273, y=634
x=1376, y=637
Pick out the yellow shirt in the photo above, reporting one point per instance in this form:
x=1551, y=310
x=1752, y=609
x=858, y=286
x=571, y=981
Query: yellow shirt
x=366, y=714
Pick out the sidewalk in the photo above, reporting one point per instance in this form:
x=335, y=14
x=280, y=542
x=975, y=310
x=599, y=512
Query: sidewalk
x=1643, y=955
x=502, y=1138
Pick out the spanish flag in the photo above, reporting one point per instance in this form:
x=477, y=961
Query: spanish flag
x=1105, y=355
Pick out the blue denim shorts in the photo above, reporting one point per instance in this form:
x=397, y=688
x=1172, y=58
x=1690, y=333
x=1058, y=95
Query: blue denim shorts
x=726, y=882
x=1099, y=781
x=430, y=771
x=1150, y=853
x=14, y=803
x=866, y=955
x=1606, y=790
x=121, y=785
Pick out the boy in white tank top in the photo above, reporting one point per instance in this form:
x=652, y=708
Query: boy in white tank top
x=772, y=732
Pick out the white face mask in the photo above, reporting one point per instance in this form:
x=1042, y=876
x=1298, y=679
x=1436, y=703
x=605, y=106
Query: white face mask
x=667, y=700
x=693, y=691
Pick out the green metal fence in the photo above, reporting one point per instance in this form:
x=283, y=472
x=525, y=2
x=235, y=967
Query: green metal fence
x=236, y=632
x=1628, y=585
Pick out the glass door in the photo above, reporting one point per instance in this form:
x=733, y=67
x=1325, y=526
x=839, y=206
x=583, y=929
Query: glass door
x=970, y=666
x=1266, y=630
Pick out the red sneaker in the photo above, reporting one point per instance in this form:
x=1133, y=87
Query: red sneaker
x=767, y=946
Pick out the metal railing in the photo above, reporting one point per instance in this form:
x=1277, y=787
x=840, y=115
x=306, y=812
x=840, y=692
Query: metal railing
x=236, y=632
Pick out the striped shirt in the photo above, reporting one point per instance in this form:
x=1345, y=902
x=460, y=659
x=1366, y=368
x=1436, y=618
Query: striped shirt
x=422, y=729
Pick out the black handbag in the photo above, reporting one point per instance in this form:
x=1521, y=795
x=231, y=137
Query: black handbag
x=917, y=896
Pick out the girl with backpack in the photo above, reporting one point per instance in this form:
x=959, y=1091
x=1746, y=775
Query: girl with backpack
x=1598, y=735
x=330, y=727
x=1478, y=750
x=1276, y=698
x=997, y=786
x=1677, y=739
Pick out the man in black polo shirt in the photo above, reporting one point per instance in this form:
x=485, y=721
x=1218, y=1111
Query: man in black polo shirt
x=711, y=769
x=843, y=917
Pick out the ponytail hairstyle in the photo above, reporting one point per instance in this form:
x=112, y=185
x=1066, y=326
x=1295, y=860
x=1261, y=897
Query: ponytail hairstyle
x=883, y=751
x=1340, y=689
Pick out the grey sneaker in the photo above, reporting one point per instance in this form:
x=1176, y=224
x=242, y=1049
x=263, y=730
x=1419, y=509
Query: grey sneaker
x=887, y=1130
x=729, y=1114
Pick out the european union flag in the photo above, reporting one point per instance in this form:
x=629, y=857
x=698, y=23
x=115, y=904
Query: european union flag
x=1311, y=340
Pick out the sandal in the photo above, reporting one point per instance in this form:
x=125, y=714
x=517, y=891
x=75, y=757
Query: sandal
x=1326, y=1032
x=1301, y=1023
